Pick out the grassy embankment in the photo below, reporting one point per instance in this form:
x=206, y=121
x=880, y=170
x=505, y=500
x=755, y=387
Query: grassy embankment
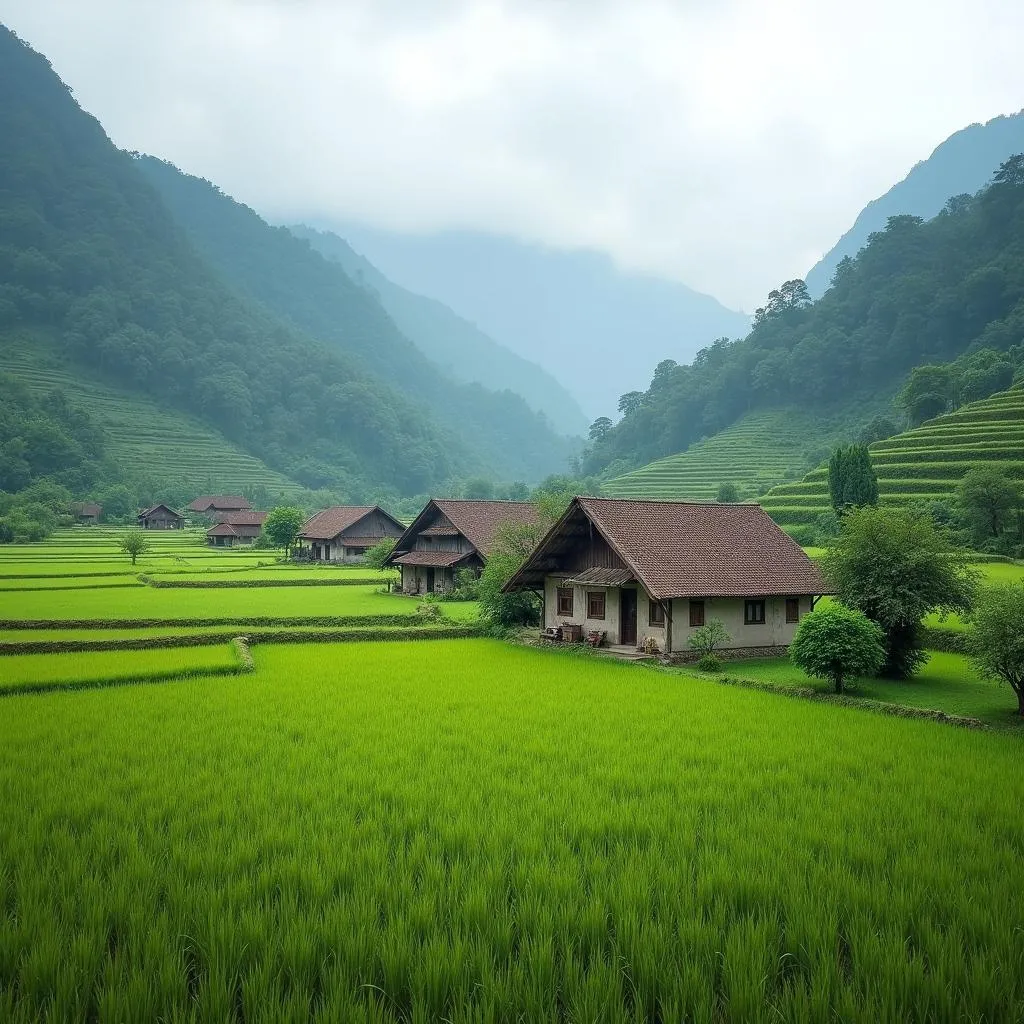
x=462, y=830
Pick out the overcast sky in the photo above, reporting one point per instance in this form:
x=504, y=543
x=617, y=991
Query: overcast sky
x=726, y=143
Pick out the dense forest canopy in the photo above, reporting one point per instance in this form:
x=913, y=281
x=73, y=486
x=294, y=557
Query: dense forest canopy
x=919, y=292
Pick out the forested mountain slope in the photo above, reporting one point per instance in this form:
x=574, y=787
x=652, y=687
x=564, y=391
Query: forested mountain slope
x=597, y=328
x=289, y=278
x=460, y=348
x=920, y=292
x=962, y=164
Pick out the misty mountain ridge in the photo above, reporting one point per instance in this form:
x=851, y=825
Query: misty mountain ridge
x=458, y=347
x=597, y=329
x=962, y=164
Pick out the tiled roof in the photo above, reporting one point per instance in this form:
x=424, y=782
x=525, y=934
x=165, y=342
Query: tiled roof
x=689, y=549
x=600, y=577
x=206, y=502
x=149, y=511
x=360, y=542
x=234, y=530
x=478, y=521
x=437, y=559
x=250, y=518
x=87, y=508
x=326, y=525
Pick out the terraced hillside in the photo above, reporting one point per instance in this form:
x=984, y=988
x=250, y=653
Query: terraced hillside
x=755, y=453
x=922, y=464
x=158, y=444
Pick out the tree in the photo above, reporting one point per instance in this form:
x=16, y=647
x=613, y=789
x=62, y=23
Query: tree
x=630, y=402
x=851, y=478
x=987, y=499
x=711, y=635
x=996, y=640
x=135, y=543
x=877, y=429
x=728, y=493
x=377, y=556
x=282, y=526
x=836, y=643
x=928, y=392
x=599, y=429
x=513, y=544
x=896, y=566
x=478, y=487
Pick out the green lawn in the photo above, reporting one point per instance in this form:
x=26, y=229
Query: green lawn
x=947, y=683
x=462, y=830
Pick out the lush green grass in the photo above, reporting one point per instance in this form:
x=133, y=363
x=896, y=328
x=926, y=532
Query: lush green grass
x=18, y=671
x=465, y=831
x=925, y=463
x=946, y=683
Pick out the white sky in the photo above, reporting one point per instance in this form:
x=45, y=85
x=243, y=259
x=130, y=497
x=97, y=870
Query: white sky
x=725, y=143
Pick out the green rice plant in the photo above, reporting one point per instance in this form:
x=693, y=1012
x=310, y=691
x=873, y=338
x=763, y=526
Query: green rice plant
x=464, y=831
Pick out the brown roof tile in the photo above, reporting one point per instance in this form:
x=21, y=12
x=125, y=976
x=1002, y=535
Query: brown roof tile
x=250, y=518
x=479, y=521
x=438, y=559
x=326, y=525
x=208, y=502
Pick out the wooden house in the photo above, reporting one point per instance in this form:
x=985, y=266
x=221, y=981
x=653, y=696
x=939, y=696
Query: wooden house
x=213, y=506
x=634, y=570
x=235, y=528
x=87, y=512
x=451, y=534
x=343, y=533
x=161, y=517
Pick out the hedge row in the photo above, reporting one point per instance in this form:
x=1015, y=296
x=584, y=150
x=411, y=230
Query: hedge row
x=60, y=575
x=844, y=700
x=92, y=684
x=220, y=620
x=70, y=586
x=223, y=584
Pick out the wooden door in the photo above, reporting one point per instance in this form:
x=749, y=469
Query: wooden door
x=430, y=581
x=627, y=616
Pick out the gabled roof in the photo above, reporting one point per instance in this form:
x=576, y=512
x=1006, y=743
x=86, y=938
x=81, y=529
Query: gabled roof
x=167, y=508
x=239, y=524
x=250, y=518
x=206, y=502
x=222, y=530
x=684, y=549
x=326, y=525
x=436, y=559
x=477, y=521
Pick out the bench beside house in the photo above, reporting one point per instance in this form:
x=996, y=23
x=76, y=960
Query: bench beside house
x=161, y=517
x=635, y=570
x=235, y=528
x=452, y=534
x=344, y=533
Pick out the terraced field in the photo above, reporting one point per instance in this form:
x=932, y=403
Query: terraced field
x=922, y=464
x=168, y=445
x=757, y=452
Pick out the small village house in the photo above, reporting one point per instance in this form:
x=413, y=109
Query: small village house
x=235, y=528
x=344, y=533
x=213, y=506
x=161, y=517
x=633, y=570
x=88, y=513
x=451, y=534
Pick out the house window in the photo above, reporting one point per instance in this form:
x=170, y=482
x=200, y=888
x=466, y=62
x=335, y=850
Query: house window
x=655, y=614
x=696, y=613
x=595, y=604
x=792, y=609
x=753, y=613
x=565, y=600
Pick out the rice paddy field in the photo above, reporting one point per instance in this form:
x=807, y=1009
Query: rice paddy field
x=923, y=464
x=468, y=830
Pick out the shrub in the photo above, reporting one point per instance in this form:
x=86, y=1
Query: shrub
x=728, y=493
x=710, y=663
x=429, y=610
x=804, y=535
x=378, y=555
x=711, y=635
x=835, y=643
x=996, y=643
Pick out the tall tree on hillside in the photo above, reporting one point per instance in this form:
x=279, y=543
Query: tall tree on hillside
x=928, y=392
x=599, y=429
x=852, y=481
x=630, y=402
x=988, y=500
x=896, y=566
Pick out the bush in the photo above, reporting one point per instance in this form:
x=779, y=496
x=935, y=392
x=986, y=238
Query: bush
x=836, y=643
x=429, y=610
x=728, y=493
x=710, y=663
x=711, y=635
x=996, y=643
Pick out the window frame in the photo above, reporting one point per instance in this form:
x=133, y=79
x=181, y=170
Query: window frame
x=792, y=605
x=560, y=594
x=755, y=604
x=697, y=612
x=655, y=614
x=602, y=596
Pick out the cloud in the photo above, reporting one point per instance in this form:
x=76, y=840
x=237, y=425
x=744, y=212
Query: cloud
x=724, y=144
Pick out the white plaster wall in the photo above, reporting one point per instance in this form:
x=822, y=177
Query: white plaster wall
x=773, y=632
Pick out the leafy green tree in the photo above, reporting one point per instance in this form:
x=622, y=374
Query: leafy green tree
x=377, y=556
x=282, y=526
x=928, y=392
x=837, y=644
x=513, y=544
x=896, y=566
x=851, y=478
x=728, y=493
x=711, y=635
x=877, y=429
x=996, y=639
x=599, y=429
x=478, y=487
x=135, y=543
x=630, y=402
x=987, y=499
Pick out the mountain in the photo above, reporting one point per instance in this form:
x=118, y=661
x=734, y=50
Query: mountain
x=920, y=292
x=460, y=348
x=599, y=330
x=330, y=394
x=961, y=165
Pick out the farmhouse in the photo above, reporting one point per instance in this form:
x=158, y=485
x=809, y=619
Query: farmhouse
x=344, y=532
x=215, y=505
x=235, y=528
x=161, y=517
x=634, y=570
x=451, y=534
x=87, y=512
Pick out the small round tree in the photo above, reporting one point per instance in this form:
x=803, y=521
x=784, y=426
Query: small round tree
x=704, y=641
x=134, y=543
x=836, y=643
x=282, y=526
x=996, y=642
x=728, y=493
